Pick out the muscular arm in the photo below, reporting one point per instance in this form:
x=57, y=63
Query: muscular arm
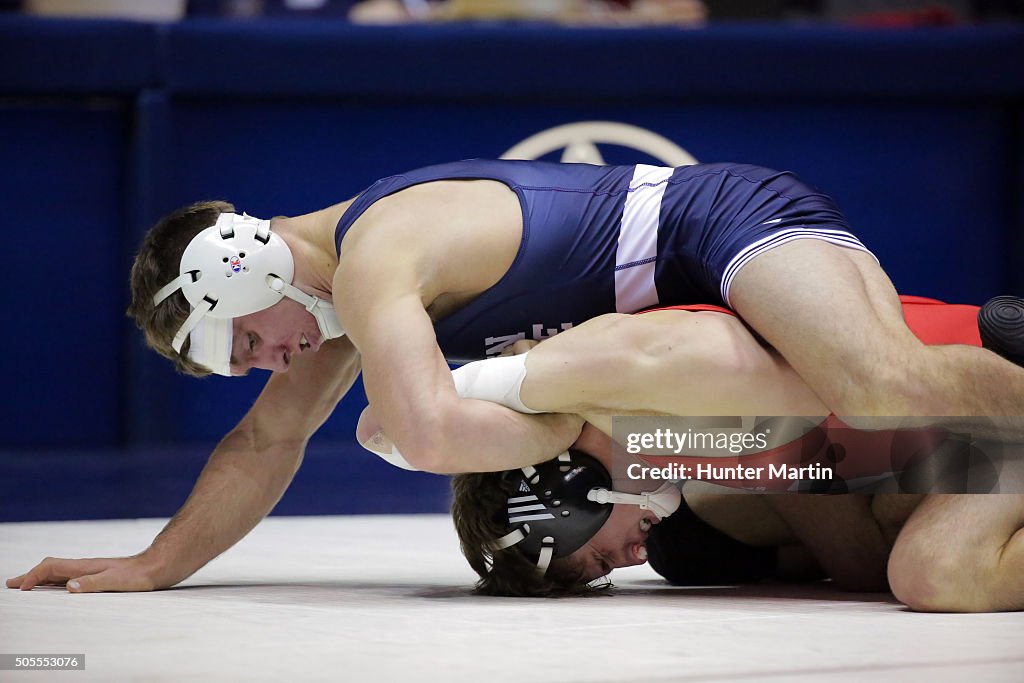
x=412, y=389
x=253, y=465
x=242, y=481
x=387, y=277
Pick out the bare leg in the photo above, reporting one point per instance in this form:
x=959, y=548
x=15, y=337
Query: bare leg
x=835, y=316
x=961, y=553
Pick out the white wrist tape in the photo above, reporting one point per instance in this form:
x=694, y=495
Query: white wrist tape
x=396, y=459
x=497, y=380
x=378, y=444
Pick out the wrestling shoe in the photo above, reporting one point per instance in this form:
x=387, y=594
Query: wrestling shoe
x=1001, y=324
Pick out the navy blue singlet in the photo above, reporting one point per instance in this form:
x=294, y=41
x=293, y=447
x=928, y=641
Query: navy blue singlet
x=605, y=239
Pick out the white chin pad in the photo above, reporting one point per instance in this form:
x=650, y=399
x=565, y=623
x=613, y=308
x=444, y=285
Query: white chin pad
x=665, y=500
x=210, y=344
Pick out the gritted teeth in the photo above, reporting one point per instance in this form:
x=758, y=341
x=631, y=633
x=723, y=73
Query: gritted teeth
x=645, y=525
x=641, y=553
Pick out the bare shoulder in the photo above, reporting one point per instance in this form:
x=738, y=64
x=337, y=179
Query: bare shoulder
x=442, y=212
x=449, y=235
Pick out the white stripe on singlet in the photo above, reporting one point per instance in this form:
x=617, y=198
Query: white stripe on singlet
x=765, y=244
x=637, y=251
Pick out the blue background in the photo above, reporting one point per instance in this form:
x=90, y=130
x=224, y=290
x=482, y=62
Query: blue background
x=918, y=135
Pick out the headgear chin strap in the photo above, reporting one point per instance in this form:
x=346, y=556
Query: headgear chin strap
x=234, y=268
x=662, y=502
x=561, y=504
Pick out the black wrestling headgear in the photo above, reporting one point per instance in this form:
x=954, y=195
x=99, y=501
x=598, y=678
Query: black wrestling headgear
x=551, y=515
x=561, y=504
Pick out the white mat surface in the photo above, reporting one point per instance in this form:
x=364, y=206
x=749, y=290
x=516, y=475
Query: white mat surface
x=386, y=599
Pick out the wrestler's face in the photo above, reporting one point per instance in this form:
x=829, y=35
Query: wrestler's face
x=621, y=542
x=271, y=339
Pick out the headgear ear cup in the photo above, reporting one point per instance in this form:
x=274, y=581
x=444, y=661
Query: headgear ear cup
x=553, y=503
x=1001, y=326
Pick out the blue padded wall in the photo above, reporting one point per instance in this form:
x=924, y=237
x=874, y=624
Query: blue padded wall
x=64, y=299
x=66, y=108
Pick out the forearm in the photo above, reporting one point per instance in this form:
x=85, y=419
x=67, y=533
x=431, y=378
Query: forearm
x=484, y=437
x=253, y=465
x=414, y=399
x=239, y=486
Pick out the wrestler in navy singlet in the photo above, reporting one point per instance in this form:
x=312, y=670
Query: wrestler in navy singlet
x=607, y=239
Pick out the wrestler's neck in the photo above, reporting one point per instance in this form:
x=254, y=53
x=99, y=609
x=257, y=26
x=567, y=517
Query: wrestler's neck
x=311, y=240
x=599, y=445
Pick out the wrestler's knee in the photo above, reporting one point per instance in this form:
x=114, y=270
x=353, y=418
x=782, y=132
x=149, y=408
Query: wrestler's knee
x=930, y=577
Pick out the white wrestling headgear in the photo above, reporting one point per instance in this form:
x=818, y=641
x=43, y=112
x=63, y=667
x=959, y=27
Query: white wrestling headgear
x=234, y=268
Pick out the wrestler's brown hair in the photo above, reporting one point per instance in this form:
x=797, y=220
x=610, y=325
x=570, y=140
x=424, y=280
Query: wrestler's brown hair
x=156, y=264
x=479, y=509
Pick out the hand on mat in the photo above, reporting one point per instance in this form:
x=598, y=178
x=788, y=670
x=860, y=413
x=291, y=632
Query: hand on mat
x=115, y=574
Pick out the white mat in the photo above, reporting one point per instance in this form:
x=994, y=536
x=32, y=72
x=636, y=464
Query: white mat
x=387, y=599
